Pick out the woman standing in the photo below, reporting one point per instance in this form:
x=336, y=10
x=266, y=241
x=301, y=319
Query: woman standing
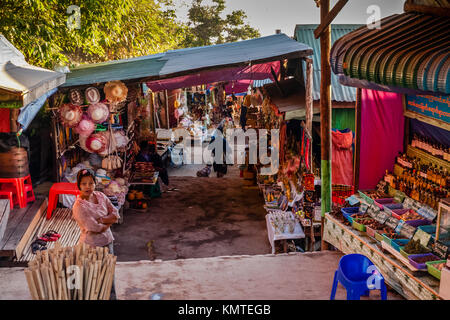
x=94, y=213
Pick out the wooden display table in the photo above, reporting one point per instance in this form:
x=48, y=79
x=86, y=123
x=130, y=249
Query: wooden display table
x=411, y=285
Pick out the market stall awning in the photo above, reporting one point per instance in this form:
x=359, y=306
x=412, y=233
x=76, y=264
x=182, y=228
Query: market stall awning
x=410, y=50
x=234, y=74
x=191, y=60
x=20, y=82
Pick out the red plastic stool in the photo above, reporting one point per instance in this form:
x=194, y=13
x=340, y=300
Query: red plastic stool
x=18, y=188
x=56, y=190
x=9, y=194
x=28, y=193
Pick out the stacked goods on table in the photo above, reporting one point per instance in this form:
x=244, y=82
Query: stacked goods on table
x=71, y=273
x=143, y=172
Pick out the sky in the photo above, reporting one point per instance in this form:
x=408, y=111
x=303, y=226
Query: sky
x=269, y=15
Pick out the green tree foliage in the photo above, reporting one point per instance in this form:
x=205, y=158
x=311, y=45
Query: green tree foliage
x=207, y=27
x=109, y=29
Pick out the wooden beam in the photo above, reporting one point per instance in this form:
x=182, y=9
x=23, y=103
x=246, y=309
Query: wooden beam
x=357, y=139
x=325, y=114
x=436, y=11
x=325, y=21
x=309, y=105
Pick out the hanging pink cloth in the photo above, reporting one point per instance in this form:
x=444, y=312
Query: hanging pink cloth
x=382, y=132
x=342, y=165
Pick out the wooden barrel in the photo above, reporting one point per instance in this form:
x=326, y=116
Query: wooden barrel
x=14, y=163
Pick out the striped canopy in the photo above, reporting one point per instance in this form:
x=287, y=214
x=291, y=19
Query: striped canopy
x=410, y=50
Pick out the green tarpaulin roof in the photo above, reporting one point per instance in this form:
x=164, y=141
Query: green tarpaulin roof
x=191, y=60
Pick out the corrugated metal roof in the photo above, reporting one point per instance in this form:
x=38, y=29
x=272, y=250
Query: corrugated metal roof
x=185, y=61
x=304, y=33
x=408, y=51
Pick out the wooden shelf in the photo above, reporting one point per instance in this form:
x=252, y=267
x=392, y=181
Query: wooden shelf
x=426, y=158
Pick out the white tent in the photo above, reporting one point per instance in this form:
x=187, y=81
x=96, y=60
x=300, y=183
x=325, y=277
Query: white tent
x=21, y=80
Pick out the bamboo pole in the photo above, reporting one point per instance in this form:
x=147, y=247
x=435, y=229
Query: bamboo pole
x=31, y=285
x=40, y=286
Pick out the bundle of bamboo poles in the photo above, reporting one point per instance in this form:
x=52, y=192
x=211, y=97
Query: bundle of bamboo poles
x=80, y=272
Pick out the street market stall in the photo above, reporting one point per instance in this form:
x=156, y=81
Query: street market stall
x=402, y=168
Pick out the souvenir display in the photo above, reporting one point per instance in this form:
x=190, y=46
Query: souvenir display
x=85, y=127
x=98, y=112
x=115, y=91
x=70, y=115
x=76, y=97
x=92, y=95
x=97, y=143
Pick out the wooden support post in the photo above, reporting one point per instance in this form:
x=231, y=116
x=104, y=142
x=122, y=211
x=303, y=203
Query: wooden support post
x=357, y=139
x=325, y=113
x=167, y=109
x=325, y=20
x=309, y=105
x=152, y=111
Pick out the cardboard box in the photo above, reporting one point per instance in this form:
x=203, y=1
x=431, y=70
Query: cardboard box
x=444, y=288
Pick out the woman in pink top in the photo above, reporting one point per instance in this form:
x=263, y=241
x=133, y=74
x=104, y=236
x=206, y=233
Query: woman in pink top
x=94, y=213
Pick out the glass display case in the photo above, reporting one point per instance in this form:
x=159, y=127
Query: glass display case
x=443, y=221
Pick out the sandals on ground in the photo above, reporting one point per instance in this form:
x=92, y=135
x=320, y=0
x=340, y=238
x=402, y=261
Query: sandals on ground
x=38, y=245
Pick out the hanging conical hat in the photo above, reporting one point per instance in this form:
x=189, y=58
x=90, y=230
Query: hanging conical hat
x=70, y=114
x=96, y=143
x=98, y=112
x=92, y=95
x=76, y=97
x=86, y=126
x=115, y=91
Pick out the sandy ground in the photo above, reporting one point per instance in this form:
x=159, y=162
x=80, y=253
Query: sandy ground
x=206, y=217
x=295, y=276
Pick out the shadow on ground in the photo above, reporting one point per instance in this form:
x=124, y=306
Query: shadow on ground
x=206, y=217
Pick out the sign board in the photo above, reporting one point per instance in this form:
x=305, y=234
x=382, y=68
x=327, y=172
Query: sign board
x=379, y=216
x=317, y=214
x=363, y=208
x=441, y=250
x=407, y=230
x=422, y=236
x=427, y=212
x=436, y=107
x=399, y=196
x=399, y=226
x=392, y=222
x=352, y=200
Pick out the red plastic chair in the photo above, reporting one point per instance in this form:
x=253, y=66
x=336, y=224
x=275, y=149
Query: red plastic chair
x=9, y=194
x=56, y=190
x=18, y=188
x=28, y=193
